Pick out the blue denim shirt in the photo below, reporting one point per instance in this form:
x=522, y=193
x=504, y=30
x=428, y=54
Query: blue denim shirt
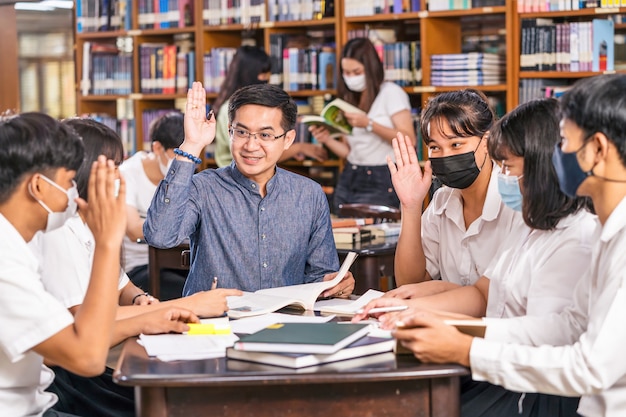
x=248, y=242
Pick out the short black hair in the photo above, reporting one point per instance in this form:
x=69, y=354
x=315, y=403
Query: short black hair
x=598, y=104
x=98, y=139
x=266, y=95
x=35, y=142
x=531, y=131
x=168, y=130
x=468, y=113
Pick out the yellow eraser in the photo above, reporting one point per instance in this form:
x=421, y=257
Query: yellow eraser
x=200, y=328
x=207, y=328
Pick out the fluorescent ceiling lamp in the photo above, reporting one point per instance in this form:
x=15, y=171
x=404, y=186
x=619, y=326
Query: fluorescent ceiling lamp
x=45, y=5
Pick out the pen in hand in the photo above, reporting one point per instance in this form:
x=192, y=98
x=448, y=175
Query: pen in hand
x=383, y=309
x=214, y=285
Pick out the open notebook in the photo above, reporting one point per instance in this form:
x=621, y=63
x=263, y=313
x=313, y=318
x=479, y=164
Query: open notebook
x=300, y=296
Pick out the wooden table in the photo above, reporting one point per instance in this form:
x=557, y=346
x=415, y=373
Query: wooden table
x=377, y=386
x=374, y=267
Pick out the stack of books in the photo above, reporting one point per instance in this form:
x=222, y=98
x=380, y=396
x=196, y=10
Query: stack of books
x=469, y=69
x=297, y=345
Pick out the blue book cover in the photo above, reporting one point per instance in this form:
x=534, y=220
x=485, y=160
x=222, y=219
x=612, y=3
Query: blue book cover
x=326, y=69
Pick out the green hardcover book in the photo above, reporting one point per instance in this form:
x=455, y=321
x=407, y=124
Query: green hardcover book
x=303, y=337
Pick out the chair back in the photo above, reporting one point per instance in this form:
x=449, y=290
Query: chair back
x=379, y=213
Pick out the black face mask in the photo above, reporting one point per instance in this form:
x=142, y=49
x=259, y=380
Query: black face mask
x=456, y=171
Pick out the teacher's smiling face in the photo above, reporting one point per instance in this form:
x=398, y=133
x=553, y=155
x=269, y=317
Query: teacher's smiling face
x=257, y=141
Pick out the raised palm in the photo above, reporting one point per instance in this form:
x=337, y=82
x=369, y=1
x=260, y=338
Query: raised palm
x=410, y=184
x=198, y=129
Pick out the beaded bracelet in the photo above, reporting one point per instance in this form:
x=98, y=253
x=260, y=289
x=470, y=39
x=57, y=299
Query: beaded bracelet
x=139, y=295
x=188, y=156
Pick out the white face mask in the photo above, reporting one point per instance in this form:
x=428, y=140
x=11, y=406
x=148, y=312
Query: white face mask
x=58, y=219
x=355, y=82
x=165, y=167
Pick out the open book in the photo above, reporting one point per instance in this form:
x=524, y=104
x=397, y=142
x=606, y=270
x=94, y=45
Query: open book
x=300, y=296
x=332, y=117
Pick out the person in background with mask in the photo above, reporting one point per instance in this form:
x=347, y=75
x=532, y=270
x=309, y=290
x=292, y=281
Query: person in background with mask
x=250, y=65
x=144, y=171
x=365, y=178
x=466, y=222
x=535, y=272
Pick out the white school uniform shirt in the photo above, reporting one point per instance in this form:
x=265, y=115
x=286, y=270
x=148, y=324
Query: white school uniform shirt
x=367, y=148
x=30, y=315
x=588, y=337
x=535, y=273
x=139, y=193
x=458, y=254
x=66, y=257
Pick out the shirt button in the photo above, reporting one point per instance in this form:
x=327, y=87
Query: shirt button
x=264, y=264
x=263, y=236
x=262, y=208
x=253, y=185
x=167, y=200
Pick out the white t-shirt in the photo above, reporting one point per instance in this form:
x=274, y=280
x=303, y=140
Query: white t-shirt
x=367, y=148
x=66, y=257
x=139, y=193
x=30, y=315
x=577, y=352
x=458, y=254
x=536, y=272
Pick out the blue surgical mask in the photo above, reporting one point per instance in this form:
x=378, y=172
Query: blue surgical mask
x=568, y=171
x=510, y=193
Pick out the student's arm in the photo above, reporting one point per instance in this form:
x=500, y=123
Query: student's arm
x=82, y=347
x=134, y=225
x=337, y=146
x=158, y=321
x=420, y=289
x=411, y=185
x=401, y=120
x=204, y=304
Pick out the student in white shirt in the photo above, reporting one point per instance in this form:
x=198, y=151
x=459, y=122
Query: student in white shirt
x=535, y=272
x=38, y=161
x=466, y=222
x=66, y=256
x=579, y=350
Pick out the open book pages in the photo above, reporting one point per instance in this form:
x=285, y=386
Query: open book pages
x=332, y=117
x=347, y=307
x=170, y=347
x=300, y=296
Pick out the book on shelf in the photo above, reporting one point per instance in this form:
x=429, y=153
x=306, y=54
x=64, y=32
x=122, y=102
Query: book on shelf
x=351, y=235
x=352, y=222
x=364, y=346
x=332, y=117
x=300, y=296
x=325, y=338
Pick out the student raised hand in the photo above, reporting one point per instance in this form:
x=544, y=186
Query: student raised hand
x=410, y=184
x=105, y=213
x=199, y=128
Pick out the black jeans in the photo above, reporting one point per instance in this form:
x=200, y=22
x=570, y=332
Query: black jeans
x=365, y=184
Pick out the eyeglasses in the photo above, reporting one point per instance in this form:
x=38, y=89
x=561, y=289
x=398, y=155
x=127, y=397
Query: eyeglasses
x=242, y=134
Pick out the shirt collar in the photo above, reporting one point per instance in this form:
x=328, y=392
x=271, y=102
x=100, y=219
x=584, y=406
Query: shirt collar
x=250, y=185
x=615, y=223
x=10, y=234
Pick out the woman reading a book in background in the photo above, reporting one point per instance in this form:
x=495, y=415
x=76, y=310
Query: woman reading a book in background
x=535, y=272
x=250, y=65
x=386, y=110
x=467, y=221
